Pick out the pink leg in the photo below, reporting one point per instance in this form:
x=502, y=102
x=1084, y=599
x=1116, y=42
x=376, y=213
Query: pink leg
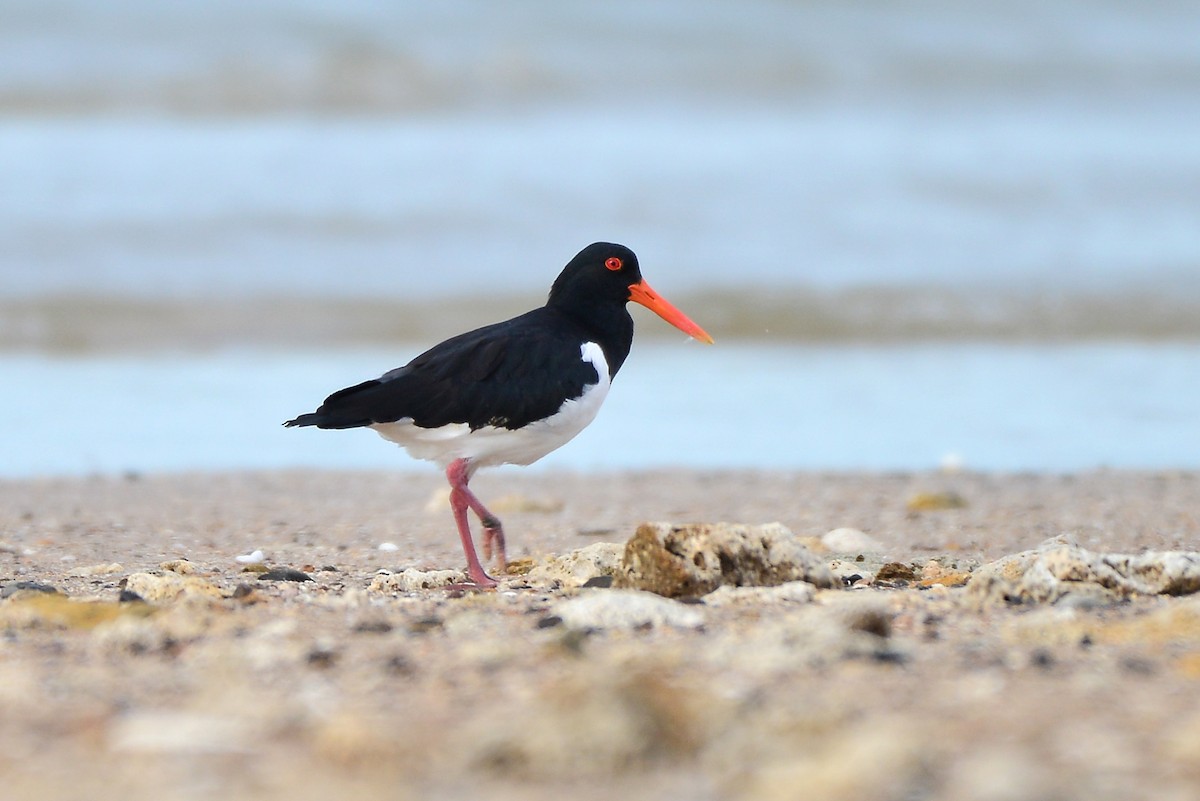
x=461, y=498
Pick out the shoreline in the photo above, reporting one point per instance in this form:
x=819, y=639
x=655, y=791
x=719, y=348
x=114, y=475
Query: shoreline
x=219, y=513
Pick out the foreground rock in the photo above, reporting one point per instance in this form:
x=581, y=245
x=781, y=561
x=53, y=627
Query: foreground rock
x=577, y=568
x=625, y=609
x=692, y=559
x=1058, y=570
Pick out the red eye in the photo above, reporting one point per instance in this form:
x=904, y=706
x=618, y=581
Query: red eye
x=613, y=263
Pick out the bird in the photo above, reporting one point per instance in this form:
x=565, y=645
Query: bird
x=510, y=392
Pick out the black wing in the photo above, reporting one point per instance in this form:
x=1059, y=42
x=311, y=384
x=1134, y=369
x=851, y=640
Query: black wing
x=507, y=375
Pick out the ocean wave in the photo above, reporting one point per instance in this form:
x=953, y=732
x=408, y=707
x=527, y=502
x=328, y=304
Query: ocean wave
x=90, y=324
x=225, y=58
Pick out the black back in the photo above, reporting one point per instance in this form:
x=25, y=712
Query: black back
x=508, y=374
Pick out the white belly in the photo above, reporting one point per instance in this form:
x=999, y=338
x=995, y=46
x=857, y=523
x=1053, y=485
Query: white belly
x=492, y=445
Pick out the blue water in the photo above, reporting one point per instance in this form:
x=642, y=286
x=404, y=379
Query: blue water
x=1033, y=154
x=988, y=407
x=359, y=148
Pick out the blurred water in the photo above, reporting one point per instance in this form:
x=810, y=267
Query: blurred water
x=990, y=407
x=985, y=213
x=362, y=148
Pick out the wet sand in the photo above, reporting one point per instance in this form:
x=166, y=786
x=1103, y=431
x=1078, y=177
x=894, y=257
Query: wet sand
x=243, y=688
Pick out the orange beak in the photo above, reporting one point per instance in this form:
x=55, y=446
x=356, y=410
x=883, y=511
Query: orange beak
x=643, y=294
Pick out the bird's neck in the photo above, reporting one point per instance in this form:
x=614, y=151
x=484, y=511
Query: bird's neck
x=610, y=328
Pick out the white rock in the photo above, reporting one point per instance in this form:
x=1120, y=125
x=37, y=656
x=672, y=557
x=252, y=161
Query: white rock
x=170, y=585
x=255, y=558
x=97, y=570
x=577, y=567
x=1059, y=568
x=413, y=580
x=626, y=609
x=182, y=733
x=850, y=540
x=793, y=592
x=388, y=546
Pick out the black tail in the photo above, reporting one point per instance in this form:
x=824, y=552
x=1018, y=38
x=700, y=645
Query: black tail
x=351, y=407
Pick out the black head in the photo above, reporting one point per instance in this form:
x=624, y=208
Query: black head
x=595, y=286
x=600, y=274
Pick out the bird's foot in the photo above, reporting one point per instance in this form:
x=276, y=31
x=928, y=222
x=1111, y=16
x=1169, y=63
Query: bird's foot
x=493, y=542
x=477, y=581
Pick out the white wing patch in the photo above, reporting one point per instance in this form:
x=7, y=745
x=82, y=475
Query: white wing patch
x=492, y=445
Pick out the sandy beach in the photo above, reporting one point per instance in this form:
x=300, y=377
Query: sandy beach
x=208, y=681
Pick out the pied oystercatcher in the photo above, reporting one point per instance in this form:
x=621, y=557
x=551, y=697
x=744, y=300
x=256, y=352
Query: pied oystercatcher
x=511, y=392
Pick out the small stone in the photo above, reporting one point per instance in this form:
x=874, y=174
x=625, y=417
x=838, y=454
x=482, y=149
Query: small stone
x=851, y=572
x=322, y=656
x=398, y=665
x=866, y=614
x=896, y=572
x=254, y=558
x=183, y=733
x=170, y=586
x=935, y=501
x=285, y=574
x=389, y=547
x=625, y=609
x=373, y=626
x=97, y=570
x=850, y=541
x=793, y=592
x=519, y=567
x=426, y=624
x=13, y=587
x=180, y=566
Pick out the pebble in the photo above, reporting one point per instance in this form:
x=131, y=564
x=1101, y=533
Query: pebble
x=254, y=558
x=935, y=501
x=284, y=574
x=849, y=541
x=12, y=587
x=625, y=609
x=793, y=592
x=180, y=733
x=97, y=570
x=169, y=586
x=389, y=547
